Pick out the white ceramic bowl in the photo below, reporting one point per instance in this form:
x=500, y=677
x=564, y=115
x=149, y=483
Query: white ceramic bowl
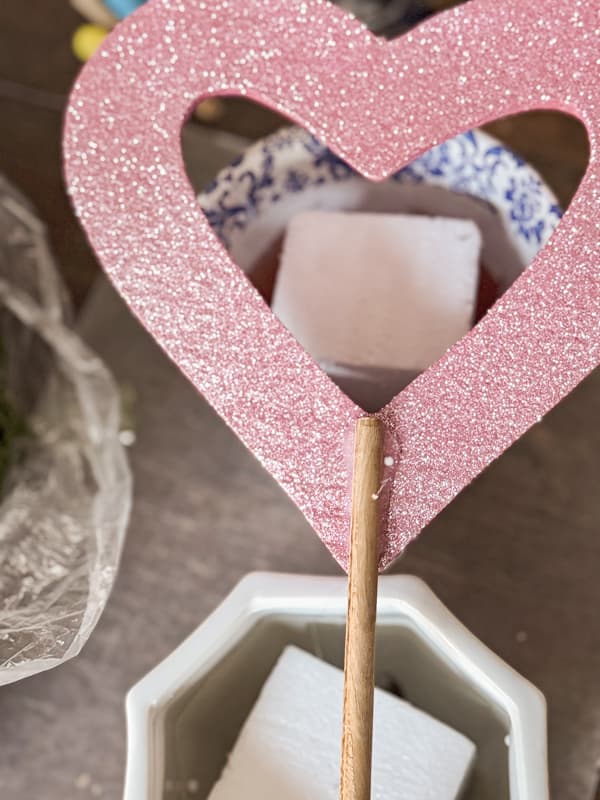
x=184, y=716
x=472, y=176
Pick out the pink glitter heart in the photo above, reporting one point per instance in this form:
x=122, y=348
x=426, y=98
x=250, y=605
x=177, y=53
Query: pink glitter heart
x=378, y=105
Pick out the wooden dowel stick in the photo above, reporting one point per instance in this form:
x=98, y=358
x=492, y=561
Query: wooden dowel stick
x=357, y=729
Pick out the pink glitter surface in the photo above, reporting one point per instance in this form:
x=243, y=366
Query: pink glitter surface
x=378, y=105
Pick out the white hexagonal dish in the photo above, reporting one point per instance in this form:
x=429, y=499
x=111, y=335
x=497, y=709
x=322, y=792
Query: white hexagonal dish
x=184, y=716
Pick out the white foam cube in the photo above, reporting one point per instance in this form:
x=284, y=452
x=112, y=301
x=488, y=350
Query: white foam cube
x=289, y=747
x=391, y=291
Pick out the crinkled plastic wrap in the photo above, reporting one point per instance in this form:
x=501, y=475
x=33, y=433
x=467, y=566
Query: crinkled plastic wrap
x=65, y=502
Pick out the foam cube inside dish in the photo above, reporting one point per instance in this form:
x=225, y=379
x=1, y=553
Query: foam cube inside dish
x=289, y=747
x=388, y=291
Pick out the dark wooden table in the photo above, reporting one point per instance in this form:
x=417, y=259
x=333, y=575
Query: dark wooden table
x=516, y=556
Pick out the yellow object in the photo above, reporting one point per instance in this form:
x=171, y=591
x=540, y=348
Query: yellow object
x=86, y=40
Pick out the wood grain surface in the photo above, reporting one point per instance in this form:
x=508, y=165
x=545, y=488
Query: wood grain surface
x=359, y=659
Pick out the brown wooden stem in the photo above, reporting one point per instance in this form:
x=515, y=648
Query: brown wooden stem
x=359, y=669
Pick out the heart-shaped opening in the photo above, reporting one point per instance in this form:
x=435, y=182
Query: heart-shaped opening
x=261, y=206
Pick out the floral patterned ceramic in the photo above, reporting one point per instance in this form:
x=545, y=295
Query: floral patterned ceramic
x=472, y=175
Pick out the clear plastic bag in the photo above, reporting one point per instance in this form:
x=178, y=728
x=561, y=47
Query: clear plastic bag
x=66, y=494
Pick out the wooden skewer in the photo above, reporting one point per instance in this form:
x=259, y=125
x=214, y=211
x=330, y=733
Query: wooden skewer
x=357, y=729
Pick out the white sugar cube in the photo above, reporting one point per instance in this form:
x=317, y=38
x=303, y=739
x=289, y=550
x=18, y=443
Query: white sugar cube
x=289, y=747
x=389, y=291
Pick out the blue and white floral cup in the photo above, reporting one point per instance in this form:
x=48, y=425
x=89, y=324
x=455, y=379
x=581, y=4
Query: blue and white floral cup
x=472, y=176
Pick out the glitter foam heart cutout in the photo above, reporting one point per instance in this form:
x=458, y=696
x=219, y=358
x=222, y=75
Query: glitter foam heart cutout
x=378, y=105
